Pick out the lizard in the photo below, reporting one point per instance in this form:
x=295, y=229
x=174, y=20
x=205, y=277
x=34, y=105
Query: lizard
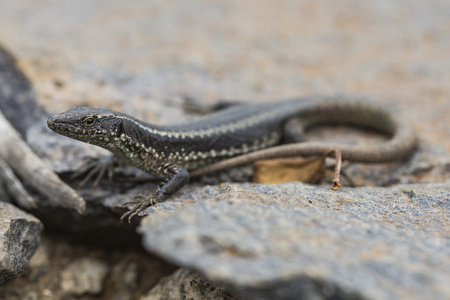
x=237, y=135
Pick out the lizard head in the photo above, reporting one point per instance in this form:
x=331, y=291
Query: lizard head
x=98, y=126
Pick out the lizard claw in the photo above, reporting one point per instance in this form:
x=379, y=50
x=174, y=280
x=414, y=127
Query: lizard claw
x=129, y=214
x=142, y=202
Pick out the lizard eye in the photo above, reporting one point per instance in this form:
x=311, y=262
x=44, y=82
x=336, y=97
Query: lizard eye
x=89, y=121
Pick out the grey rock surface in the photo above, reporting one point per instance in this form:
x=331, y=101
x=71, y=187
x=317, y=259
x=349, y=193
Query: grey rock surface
x=83, y=276
x=20, y=235
x=17, y=99
x=186, y=284
x=62, y=270
x=293, y=240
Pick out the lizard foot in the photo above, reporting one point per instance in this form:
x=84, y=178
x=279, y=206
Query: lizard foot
x=142, y=202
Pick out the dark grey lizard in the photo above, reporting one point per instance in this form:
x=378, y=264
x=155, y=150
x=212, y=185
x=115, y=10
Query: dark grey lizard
x=172, y=152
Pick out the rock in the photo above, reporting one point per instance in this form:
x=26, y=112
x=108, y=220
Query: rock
x=40, y=262
x=292, y=241
x=19, y=238
x=83, y=276
x=130, y=273
x=186, y=284
x=17, y=96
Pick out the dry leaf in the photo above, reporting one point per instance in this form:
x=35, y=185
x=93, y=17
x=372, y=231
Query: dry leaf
x=309, y=170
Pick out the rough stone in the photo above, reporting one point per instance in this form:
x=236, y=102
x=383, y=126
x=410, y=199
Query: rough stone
x=130, y=275
x=83, y=276
x=293, y=240
x=19, y=238
x=39, y=263
x=186, y=284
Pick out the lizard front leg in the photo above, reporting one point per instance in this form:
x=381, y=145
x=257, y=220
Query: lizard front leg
x=177, y=177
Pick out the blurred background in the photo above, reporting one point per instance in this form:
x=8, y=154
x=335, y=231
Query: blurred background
x=145, y=57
